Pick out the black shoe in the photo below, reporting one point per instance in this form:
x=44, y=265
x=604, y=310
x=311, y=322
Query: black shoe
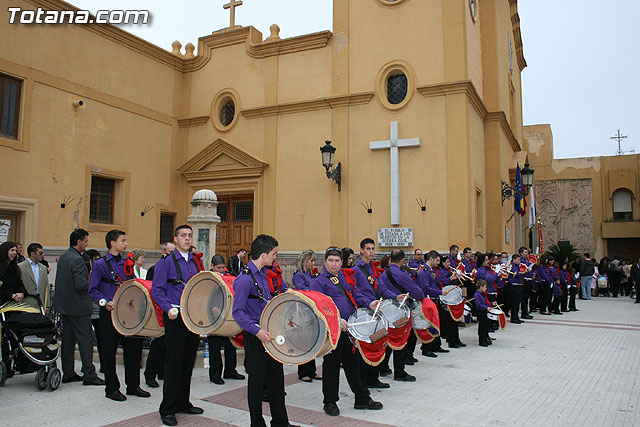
x=489, y=341
x=454, y=346
x=384, y=373
x=95, y=381
x=192, y=410
x=116, y=395
x=405, y=378
x=409, y=362
x=233, y=376
x=461, y=344
x=378, y=384
x=441, y=350
x=138, y=392
x=528, y=317
x=315, y=377
x=483, y=344
x=306, y=379
x=371, y=404
x=413, y=359
x=151, y=381
x=218, y=380
x=517, y=322
x=169, y=420
x=545, y=313
x=429, y=354
x=331, y=409
x=73, y=379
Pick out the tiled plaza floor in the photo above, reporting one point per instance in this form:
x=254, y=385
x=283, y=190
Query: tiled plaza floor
x=582, y=369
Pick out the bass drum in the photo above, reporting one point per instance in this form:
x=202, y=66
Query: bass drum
x=133, y=313
x=206, y=306
x=305, y=324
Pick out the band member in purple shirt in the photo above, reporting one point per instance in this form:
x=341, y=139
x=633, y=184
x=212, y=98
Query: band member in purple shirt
x=527, y=282
x=416, y=262
x=453, y=255
x=427, y=281
x=302, y=280
x=169, y=278
x=396, y=283
x=482, y=304
x=334, y=283
x=252, y=292
x=517, y=283
x=107, y=274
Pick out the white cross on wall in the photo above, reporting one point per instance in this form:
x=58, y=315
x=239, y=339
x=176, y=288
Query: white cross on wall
x=393, y=144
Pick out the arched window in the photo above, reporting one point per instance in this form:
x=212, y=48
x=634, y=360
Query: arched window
x=622, y=205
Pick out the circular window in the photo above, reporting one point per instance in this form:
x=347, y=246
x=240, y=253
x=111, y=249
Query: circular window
x=227, y=112
x=224, y=109
x=395, y=85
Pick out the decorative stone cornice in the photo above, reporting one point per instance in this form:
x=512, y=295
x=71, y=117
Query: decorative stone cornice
x=466, y=87
x=252, y=38
x=517, y=35
x=310, y=105
x=193, y=121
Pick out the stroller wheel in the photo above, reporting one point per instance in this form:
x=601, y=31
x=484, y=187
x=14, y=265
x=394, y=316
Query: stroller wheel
x=3, y=373
x=53, y=379
x=41, y=379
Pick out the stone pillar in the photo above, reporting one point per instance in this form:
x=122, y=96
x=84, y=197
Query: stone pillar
x=204, y=219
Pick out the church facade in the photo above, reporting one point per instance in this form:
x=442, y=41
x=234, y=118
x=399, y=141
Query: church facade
x=111, y=131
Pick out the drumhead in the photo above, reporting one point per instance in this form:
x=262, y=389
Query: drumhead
x=393, y=312
x=204, y=303
x=294, y=319
x=417, y=318
x=362, y=331
x=132, y=308
x=454, y=295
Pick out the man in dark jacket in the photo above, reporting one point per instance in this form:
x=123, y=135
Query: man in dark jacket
x=73, y=303
x=235, y=264
x=634, y=277
x=587, y=271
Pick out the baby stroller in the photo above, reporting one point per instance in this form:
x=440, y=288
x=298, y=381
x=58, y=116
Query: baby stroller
x=29, y=343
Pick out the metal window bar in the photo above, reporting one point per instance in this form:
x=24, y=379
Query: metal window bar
x=397, y=86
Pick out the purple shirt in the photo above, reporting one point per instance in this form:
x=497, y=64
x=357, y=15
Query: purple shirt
x=479, y=298
x=528, y=274
x=468, y=265
x=485, y=274
x=403, y=279
x=324, y=285
x=101, y=283
x=247, y=304
x=165, y=287
x=443, y=277
x=362, y=280
x=518, y=278
x=301, y=280
x=427, y=282
x=414, y=264
x=453, y=261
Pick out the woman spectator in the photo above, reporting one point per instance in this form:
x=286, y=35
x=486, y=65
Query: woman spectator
x=304, y=273
x=348, y=257
x=138, y=269
x=12, y=288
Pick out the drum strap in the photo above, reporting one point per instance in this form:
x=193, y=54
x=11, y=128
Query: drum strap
x=255, y=282
x=371, y=279
x=114, y=276
x=179, y=270
x=397, y=285
x=343, y=291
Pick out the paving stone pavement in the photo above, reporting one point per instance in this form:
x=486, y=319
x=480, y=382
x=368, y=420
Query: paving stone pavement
x=578, y=369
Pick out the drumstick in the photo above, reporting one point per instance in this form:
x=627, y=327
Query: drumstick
x=362, y=323
x=404, y=299
x=377, y=307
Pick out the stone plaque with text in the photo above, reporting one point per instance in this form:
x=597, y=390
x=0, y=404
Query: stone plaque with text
x=395, y=237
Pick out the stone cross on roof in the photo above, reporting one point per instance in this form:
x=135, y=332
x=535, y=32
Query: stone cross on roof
x=232, y=6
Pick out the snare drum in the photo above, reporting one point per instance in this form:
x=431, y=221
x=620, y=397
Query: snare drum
x=396, y=315
x=306, y=324
x=370, y=334
x=133, y=310
x=206, y=305
x=425, y=320
x=494, y=314
x=453, y=295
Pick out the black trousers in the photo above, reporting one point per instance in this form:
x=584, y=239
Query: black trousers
x=264, y=371
x=526, y=294
x=369, y=374
x=307, y=369
x=615, y=283
x=516, y=300
x=452, y=333
x=132, y=352
x=215, y=358
x=572, y=297
x=343, y=354
x=77, y=329
x=410, y=348
x=492, y=323
x=180, y=356
x=533, y=298
x=564, y=299
x=555, y=303
x=471, y=289
x=483, y=326
x=399, y=358
x=637, y=286
x=96, y=330
x=544, y=297
x=155, y=359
